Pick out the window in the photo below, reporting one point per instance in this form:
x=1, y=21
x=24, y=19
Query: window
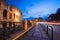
x=14, y=15
x=4, y=25
x=10, y=24
x=10, y=16
x=10, y=9
x=0, y=3
x=5, y=13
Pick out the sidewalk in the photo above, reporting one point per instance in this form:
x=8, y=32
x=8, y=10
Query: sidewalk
x=36, y=33
x=15, y=34
x=19, y=34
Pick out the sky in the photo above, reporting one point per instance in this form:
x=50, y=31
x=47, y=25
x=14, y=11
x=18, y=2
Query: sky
x=35, y=8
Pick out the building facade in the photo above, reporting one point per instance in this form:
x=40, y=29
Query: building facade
x=9, y=15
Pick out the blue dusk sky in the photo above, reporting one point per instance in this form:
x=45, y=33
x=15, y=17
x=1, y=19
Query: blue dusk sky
x=35, y=8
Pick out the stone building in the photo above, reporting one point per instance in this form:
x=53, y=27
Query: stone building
x=9, y=15
x=40, y=19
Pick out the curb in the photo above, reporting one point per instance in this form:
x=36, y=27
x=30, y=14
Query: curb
x=16, y=38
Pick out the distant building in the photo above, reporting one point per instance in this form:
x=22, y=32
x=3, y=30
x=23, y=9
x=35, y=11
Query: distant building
x=38, y=19
x=9, y=15
x=31, y=21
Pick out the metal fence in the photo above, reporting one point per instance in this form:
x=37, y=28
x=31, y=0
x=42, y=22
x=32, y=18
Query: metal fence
x=8, y=28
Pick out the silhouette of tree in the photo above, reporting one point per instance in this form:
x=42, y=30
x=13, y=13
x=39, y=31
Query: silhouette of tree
x=58, y=14
x=51, y=17
x=58, y=11
x=55, y=17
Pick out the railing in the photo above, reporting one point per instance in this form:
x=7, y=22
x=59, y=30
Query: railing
x=8, y=28
x=48, y=29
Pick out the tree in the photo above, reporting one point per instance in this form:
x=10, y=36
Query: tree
x=51, y=17
x=55, y=17
x=58, y=14
x=58, y=11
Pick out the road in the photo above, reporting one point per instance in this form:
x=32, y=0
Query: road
x=56, y=32
x=56, y=29
x=36, y=33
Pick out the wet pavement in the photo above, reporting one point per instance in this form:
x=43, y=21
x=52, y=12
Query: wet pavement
x=35, y=33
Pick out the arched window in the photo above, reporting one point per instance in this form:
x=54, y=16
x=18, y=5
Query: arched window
x=5, y=13
x=10, y=15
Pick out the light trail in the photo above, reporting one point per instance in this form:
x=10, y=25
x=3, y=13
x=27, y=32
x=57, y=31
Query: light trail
x=51, y=23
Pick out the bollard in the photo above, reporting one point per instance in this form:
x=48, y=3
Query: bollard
x=32, y=24
x=52, y=33
x=51, y=38
x=47, y=29
x=25, y=25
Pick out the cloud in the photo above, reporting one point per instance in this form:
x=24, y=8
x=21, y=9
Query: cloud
x=41, y=10
x=35, y=8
